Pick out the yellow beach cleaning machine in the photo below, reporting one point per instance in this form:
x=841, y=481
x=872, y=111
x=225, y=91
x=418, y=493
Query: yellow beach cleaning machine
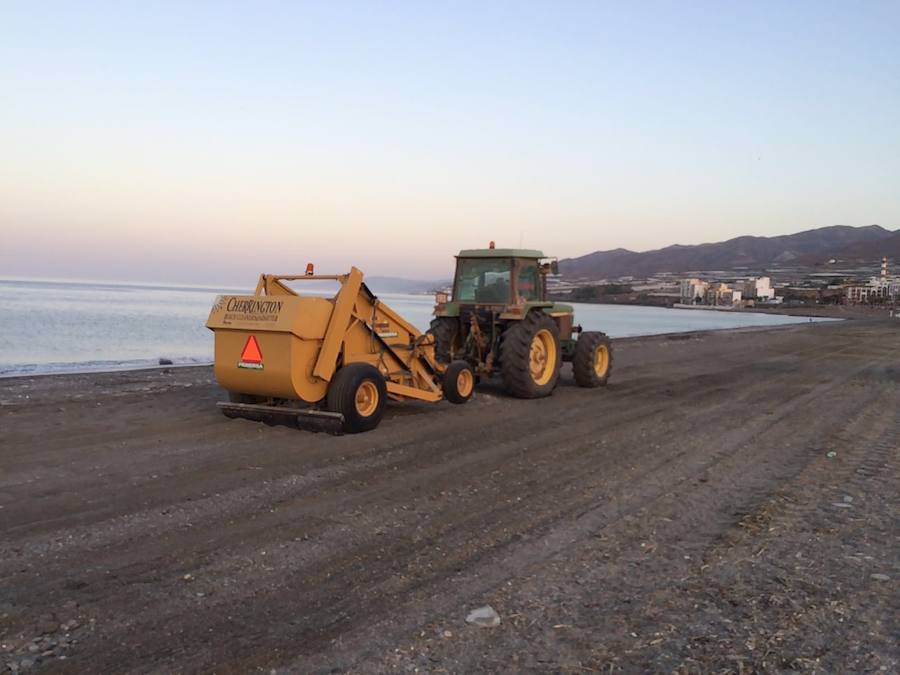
x=324, y=363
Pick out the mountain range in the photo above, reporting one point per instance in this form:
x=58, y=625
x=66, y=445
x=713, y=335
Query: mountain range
x=811, y=247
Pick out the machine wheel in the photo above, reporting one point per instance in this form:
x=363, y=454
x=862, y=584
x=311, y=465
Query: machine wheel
x=445, y=330
x=459, y=382
x=236, y=397
x=359, y=393
x=592, y=363
x=530, y=356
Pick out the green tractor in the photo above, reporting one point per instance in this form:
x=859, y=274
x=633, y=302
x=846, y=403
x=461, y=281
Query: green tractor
x=499, y=320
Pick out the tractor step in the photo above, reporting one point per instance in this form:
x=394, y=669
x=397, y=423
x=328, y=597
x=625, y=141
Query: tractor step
x=302, y=418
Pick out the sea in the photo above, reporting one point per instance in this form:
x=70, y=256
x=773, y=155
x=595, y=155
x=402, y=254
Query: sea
x=66, y=326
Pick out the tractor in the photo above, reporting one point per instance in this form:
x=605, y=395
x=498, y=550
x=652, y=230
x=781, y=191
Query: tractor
x=499, y=321
x=331, y=363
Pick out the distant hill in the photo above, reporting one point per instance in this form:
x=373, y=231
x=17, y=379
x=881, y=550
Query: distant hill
x=872, y=250
x=808, y=247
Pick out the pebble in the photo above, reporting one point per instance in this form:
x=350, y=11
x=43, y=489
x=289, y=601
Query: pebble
x=484, y=617
x=47, y=626
x=881, y=577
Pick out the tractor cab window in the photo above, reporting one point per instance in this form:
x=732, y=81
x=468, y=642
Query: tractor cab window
x=483, y=280
x=528, y=281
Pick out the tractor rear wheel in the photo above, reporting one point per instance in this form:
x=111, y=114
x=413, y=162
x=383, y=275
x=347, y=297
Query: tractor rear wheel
x=445, y=330
x=358, y=392
x=592, y=363
x=459, y=382
x=530, y=356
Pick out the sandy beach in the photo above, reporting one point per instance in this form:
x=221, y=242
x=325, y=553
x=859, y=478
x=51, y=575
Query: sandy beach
x=729, y=503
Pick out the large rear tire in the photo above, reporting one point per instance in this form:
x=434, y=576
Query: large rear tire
x=592, y=363
x=358, y=392
x=530, y=356
x=459, y=382
x=445, y=330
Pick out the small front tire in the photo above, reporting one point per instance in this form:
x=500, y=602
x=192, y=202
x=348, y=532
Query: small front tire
x=358, y=392
x=592, y=363
x=459, y=382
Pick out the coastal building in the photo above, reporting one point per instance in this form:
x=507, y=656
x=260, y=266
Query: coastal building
x=874, y=291
x=715, y=293
x=693, y=291
x=721, y=294
x=758, y=288
x=883, y=288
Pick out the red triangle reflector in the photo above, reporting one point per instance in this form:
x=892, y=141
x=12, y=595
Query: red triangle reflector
x=251, y=353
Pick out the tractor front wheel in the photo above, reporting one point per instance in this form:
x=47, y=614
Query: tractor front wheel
x=592, y=363
x=530, y=356
x=358, y=392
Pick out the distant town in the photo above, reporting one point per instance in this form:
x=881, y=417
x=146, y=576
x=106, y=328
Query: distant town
x=782, y=286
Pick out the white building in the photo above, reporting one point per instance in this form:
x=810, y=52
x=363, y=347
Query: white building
x=878, y=289
x=759, y=288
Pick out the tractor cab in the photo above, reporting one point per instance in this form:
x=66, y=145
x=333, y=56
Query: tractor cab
x=500, y=276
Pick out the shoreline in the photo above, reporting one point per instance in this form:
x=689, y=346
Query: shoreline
x=74, y=370
x=669, y=336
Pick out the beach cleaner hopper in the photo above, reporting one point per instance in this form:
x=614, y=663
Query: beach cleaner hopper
x=327, y=363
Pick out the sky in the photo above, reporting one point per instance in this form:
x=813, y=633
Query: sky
x=208, y=142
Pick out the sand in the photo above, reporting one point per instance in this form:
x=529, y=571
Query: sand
x=728, y=503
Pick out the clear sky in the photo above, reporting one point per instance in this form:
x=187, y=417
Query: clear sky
x=206, y=142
